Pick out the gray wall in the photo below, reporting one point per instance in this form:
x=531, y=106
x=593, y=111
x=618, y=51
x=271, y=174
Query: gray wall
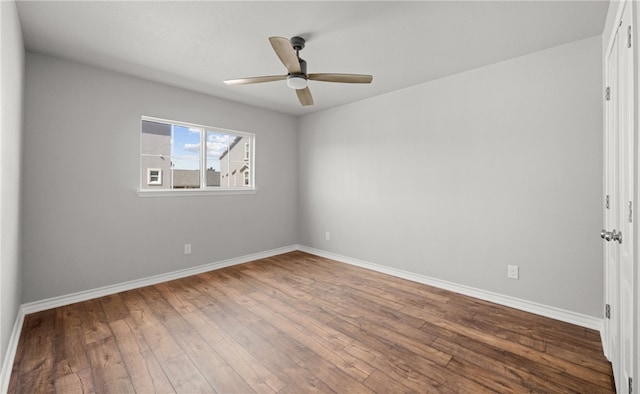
x=12, y=90
x=89, y=228
x=456, y=178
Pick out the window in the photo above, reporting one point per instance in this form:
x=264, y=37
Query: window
x=154, y=176
x=247, y=179
x=193, y=157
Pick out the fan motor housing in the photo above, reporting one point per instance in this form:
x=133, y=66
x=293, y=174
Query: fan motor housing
x=297, y=43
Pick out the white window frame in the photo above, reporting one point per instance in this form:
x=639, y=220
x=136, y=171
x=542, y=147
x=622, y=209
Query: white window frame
x=157, y=182
x=204, y=189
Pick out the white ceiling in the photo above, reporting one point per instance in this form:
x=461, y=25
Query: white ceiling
x=198, y=44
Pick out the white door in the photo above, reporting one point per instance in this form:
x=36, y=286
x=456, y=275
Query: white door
x=611, y=215
x=620, y=215
x=626, y=196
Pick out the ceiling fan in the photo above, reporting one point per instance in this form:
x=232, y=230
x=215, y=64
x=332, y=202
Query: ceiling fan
x=289, y=53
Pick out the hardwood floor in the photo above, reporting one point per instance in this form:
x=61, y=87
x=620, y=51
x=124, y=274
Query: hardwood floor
x=298, y=323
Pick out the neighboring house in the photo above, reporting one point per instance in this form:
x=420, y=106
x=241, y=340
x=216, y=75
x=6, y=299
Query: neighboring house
x=234, y=164
x=155, y=156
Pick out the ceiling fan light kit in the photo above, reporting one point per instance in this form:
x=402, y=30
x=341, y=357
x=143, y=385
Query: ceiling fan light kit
x=288, y=52
x=296, y=81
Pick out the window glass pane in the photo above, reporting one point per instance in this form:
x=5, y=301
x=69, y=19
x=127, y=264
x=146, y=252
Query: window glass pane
x=156, y=153
x=217, y=162
x=234, y=161
x=185, y=157
x=232, y=154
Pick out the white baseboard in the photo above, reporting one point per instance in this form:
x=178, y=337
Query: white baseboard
x=42, y=305
x=524, y=305
x=7, y=364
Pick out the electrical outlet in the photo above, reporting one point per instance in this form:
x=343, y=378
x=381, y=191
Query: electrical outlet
x=512, y=271
x=327, y=236
x=187, y=248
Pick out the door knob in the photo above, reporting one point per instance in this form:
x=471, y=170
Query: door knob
x=616, y=236
x=606, y=235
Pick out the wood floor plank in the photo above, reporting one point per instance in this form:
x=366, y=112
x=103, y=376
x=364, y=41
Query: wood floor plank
x=290, y=360
x=113, y=307
x=540, y=327
x=332, y=307
x=372, y=285
x=597, y=378
x=70, y=353
x=162, y=343
x=498, y=365
x=80, y=382
x=583, y=359
x=397, y=369
x=330, y=343
x=540, y=377
x=398, y=339
x=37, y=369
x=380, y=382
x=220, y=375
x=273, y=348
x=481, y=376
x=523, y=337
x=94, y=323
x=184, y=375
x=420, y=365
x=145, y=372
x=110, y=375
x=329, y=301
x=255, y=374
x=175, y=294
x=225, y=318
x=298, y=323
x=304, y=301
x=365, y=309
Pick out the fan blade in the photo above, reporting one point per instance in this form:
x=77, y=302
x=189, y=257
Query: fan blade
x=342, y=78
x=245, y=81
x=286, y=53
x=304, y=95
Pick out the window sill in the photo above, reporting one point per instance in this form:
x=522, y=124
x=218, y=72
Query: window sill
x=192, y=193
